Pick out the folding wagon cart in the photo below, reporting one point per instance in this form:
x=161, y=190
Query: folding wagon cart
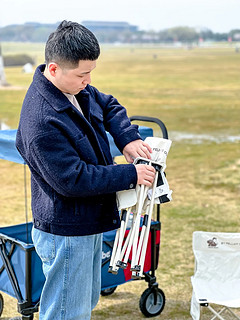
x=21, y=273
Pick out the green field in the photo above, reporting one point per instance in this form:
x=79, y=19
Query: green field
x=196, y=94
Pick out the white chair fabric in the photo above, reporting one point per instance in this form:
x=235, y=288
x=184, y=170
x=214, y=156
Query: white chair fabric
x=216, y=279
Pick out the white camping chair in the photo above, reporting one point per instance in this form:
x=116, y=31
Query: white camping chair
x=216, y=279
x=142, y=199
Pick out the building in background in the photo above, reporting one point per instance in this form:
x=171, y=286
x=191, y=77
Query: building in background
x=112, y=32
x=106, y=26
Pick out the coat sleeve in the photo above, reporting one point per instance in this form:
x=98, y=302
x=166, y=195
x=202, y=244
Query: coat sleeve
x=116, y=120
x=69, y=175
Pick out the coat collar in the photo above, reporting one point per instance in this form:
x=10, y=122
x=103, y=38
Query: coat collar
x=58, y=101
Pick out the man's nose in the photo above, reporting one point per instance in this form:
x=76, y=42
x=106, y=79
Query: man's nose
x=87, y=79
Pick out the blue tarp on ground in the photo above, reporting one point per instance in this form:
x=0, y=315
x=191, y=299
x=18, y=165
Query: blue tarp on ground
x=9, y=152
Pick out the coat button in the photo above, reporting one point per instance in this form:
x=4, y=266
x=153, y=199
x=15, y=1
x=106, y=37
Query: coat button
x=131, y=186
x=114, y=221
x=37, y=223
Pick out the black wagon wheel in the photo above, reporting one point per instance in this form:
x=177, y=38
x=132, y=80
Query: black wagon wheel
x=1, y=304
x=29, y=317
x=107, y=292
x=152, y=302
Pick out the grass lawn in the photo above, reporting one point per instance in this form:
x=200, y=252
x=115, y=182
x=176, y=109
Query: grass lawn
x=196, y=94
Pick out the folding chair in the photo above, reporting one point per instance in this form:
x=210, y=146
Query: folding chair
x=216, y=279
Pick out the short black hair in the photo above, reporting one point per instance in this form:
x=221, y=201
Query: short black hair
x=69, y=43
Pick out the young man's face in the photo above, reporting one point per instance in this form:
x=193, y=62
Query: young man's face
x=73, y=80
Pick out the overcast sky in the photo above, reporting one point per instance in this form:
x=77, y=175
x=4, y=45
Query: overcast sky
x=217, y=15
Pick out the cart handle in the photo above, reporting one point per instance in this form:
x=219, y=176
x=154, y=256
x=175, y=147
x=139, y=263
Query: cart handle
x=154, y=120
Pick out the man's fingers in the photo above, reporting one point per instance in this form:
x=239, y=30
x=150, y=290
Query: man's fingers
x=137, y=148
x=146, y=174
x=150, y=175
x=147, y=183
x=147, y=146
x=145, y=151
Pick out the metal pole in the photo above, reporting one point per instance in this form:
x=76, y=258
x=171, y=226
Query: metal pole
x=26, y=202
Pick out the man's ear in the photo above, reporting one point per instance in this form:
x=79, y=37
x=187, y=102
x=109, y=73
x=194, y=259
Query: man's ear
x=52, y=67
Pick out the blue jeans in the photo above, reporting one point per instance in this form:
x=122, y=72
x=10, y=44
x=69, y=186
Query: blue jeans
x=72, y=267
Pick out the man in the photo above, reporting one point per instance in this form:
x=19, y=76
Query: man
x=62, y=137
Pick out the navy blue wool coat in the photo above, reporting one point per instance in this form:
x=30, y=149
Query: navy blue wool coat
x=73, y=179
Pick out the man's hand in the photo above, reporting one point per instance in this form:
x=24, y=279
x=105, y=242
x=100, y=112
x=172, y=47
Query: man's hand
x=145, y=174
x=137, y=148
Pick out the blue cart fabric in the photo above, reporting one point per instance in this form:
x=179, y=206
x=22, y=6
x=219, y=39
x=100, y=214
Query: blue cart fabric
x=8, y=151
x=15, y=241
